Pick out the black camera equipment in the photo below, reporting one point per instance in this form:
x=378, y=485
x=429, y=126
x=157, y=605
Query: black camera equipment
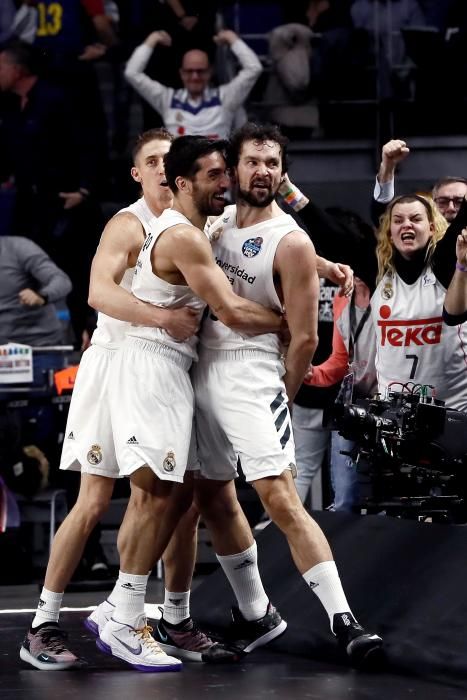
x=410, y=452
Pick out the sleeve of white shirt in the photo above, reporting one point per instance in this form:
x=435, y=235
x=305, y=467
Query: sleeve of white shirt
x=152, y=91
x=384, y=192
x=234, y=94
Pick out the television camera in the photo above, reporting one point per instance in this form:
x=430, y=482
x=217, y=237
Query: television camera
x=410, y=452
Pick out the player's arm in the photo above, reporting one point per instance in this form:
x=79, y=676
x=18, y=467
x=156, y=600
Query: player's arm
x=192, y=255
x=121, y=240
x=295, y=263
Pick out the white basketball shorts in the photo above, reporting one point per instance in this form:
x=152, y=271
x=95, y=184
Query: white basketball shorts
x=151, y=408
x=241, y=412
x=88, y=445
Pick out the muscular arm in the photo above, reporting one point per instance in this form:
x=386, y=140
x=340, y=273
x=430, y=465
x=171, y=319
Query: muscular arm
x=118, y=248
x=192, y=255
x=295, y=263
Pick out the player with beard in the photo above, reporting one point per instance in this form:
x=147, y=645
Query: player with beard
x=244, y=386
x=151, y=395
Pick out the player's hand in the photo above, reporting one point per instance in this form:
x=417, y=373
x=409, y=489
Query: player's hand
x=461, y=247
x=342, y=275
x=183, y=323
x=29, y=297
x=159, y=37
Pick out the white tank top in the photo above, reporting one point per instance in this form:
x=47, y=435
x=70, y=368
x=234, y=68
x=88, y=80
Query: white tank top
x=246, y=256
x=412, y=342
x=110, y=332
x=149, y=287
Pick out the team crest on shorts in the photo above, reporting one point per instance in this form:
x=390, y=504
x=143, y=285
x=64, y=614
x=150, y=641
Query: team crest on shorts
x=94, y=455
x=169, y=462
x=252, y=247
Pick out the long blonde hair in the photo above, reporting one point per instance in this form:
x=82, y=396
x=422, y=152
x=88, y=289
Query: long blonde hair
x=385, y=246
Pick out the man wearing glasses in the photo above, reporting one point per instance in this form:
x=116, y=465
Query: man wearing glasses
x=447, y=193
x=196, y=109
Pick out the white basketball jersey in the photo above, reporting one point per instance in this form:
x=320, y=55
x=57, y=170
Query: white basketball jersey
x=246, y=255
x=413, y=343
x=110, y=332
x=149, y=287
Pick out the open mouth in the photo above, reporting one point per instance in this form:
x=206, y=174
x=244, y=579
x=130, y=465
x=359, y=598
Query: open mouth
x=164, y=183
x=407, y=237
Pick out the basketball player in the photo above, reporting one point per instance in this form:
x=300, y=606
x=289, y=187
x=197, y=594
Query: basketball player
x=151, y=393
x=243, y=387
x=88, y=445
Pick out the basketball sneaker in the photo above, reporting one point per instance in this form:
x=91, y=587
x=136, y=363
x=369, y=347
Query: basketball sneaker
x=188, y=642
x=251, y=634
x=99, y=617
x=362, y=648
x=44, y=648
x=136, y=646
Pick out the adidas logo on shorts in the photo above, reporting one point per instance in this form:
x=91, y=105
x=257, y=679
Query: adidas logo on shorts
x=132, y=441
x=71, y=436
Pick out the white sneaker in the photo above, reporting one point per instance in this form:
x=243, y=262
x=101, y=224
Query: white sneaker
x=136, y=646
x=99, y=617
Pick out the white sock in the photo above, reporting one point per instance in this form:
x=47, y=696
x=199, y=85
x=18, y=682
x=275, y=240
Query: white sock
x=324, y=581
x=130, y=592
x=176, y=607
x=113, y=597
x=243, y=575
x=48, y=609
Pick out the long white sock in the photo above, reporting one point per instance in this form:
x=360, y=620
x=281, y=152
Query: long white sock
x=176, y=607
x=48, y=609
x=130, y=592
x=243, y=575
x=324, y=581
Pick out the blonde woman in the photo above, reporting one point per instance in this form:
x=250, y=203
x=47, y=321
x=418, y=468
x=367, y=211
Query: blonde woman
x=416, y=255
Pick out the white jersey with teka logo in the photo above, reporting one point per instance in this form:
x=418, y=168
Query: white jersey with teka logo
x=110, y=332
x=412, y=342
x=246, y=255
x=149, y=287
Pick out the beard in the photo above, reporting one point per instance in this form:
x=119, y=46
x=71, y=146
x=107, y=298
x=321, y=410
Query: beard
x=206, y=205
x=259, y=202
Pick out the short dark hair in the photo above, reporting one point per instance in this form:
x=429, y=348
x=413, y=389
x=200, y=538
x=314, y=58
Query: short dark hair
x=141, y=140
x=183, y=158
x=257, y=132
x=448, y=180
x=30, y=58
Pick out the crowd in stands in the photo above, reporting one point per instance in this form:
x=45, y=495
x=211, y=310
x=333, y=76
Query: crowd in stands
x=73, y=75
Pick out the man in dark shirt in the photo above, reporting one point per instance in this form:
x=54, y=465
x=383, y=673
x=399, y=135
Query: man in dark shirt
x=55, y=163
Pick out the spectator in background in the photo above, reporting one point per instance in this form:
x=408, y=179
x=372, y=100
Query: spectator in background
x=53, y=158
x=416, y=260
x=197, y=108
x=30, y=283
x=448, y=192
x=455, y=302
x=383, y=20
x=353, y=351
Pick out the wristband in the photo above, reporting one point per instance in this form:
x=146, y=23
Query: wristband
x=461, y=268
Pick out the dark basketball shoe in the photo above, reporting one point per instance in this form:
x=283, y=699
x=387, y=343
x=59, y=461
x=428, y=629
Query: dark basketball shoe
x=45, y=649
x=362, y=648
x=186, y=641
x=251, y=634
